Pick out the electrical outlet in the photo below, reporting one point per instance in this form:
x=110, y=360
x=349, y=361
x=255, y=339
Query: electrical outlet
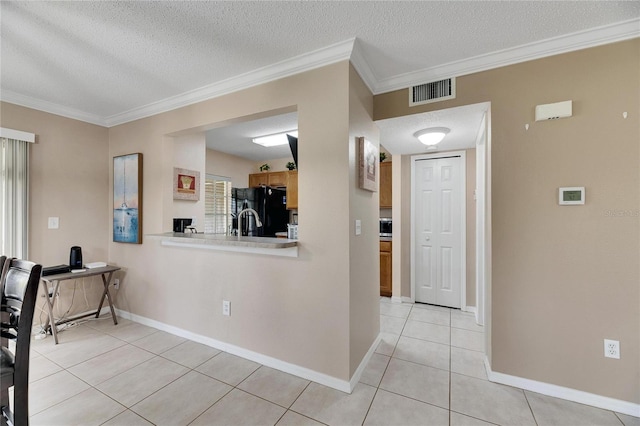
x=116, y=283
x=611, y=349
x=226, y=308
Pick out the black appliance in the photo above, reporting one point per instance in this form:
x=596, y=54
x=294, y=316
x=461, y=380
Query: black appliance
x=386, y=226
x=75, y=258
x=180, y=224
x=269, y=203
x=293, y=144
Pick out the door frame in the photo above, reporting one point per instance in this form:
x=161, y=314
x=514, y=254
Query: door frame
x=463, y=221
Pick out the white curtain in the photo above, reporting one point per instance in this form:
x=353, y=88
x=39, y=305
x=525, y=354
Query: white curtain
x=14, y=197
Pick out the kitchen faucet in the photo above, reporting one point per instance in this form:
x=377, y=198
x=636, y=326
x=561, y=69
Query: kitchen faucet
x=255, y=214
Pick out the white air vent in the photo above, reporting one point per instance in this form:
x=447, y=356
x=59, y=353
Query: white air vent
x=432, y=92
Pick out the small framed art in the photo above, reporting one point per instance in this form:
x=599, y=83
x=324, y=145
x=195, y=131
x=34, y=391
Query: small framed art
x=186, y=184
x=368, y=164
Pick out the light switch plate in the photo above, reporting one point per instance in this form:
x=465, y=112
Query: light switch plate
x=358, y=227
x=54, y=222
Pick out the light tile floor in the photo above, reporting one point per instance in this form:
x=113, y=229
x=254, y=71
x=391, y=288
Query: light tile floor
x=427, y=370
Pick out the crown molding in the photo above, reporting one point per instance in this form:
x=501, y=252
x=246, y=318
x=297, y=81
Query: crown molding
x=553, y=46
x=362, y=66
x=40, y=105
x=349, y=50
x=308, y=61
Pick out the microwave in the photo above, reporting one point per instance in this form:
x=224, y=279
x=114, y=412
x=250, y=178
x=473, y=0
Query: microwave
x=385, y=227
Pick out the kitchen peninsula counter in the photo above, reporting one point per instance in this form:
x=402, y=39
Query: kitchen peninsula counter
x=256, y=245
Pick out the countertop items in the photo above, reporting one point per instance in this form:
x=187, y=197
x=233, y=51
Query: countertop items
x=258, y=245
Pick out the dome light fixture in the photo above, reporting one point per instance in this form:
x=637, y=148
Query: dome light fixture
x=432, y=135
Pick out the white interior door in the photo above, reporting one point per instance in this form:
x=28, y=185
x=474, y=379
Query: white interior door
x=439, y=192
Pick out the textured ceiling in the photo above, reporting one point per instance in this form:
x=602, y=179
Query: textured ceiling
x=109, y=62
x=236, y=139
x=397, y=134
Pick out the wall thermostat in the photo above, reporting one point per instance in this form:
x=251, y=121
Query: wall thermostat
x=571, y=195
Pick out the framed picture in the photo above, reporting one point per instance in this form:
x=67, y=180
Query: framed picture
x=127, y=198
x=368, y=164
x=186, y=184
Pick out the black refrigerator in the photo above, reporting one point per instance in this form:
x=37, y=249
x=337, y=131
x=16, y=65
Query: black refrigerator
x=269, y=203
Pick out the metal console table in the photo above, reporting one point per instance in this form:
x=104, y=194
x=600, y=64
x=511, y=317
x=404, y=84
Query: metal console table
x=54, y=281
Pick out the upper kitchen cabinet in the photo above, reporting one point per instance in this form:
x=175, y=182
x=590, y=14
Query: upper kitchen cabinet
x=275, y=179
x=292, y=190
x=385, y=185
x=258, y=179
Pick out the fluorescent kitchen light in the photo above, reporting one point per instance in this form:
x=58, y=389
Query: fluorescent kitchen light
x=432, y=136
x=276, y=139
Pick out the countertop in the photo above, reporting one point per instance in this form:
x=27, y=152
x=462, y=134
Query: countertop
x=386, y=239
x=257, y=245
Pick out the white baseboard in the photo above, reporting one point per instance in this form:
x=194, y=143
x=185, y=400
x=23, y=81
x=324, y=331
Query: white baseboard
x=296, y=370
x=406, y=299
x=604, y=402
x=471, y=309
x=363, y=364
x=396, y=299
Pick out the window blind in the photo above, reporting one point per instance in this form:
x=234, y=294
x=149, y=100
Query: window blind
x=217, y=213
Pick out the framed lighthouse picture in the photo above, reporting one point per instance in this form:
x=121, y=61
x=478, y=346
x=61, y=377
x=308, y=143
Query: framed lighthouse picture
x=127, y=199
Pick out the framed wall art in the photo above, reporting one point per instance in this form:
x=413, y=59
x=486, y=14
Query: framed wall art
x=186, y=184
x=127, y=198
x=368, y=164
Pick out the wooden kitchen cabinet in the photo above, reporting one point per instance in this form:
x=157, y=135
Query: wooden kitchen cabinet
x=258, y=179
x=292, y=190
x=385, y=185
x=277, y=179
x=274, y=179
x=385, y=268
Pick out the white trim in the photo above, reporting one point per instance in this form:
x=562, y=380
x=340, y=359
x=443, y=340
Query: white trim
x=17, y=135
x=463, y=220
x=407, y=300
x=396, y=299
x=363, y=364
x=562, y=392
x=308, y=61
x=56, y=109
x=296, y=370
x=471, y=309
x=593, y=37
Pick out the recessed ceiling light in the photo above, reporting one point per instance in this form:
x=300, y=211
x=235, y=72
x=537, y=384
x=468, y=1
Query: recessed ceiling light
x=432, y=135
x=275, y=139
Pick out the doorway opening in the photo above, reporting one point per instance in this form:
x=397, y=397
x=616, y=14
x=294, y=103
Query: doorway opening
x=438, y=229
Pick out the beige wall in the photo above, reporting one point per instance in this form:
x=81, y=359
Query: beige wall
x=471, y=226
x=235, y=168
x=563, y=277
x=68, y=179
x=294, y=310
x=276, y=164
x=364, y=249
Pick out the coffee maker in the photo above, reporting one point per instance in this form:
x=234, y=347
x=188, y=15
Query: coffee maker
x=180, y=224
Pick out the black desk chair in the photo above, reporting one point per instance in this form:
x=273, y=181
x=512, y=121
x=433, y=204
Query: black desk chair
x=20, y=282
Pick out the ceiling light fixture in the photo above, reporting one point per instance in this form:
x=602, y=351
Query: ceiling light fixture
x=275, y=139
x=432, y=135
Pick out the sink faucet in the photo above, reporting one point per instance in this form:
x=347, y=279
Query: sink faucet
x=255, y=214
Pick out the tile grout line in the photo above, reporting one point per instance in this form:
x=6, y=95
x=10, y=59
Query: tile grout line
x=530, y=408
